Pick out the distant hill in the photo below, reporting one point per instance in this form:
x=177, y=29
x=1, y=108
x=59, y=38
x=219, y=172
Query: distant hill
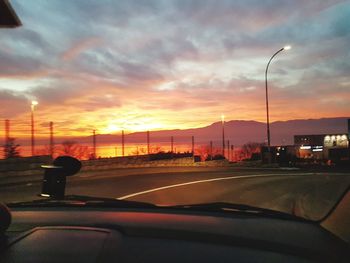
x=238, y=132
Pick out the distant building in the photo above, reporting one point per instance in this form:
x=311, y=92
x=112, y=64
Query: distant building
x=322, y=146
x=333, y=147
x=315, y=147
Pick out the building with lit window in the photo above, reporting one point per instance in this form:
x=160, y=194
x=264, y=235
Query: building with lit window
x=312, y=148
x=322, y=146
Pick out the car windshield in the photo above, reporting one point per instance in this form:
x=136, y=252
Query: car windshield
x=175, y=102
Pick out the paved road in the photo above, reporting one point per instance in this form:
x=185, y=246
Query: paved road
x=289, y=191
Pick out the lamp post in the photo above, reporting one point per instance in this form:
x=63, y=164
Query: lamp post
x=34, y=103
x=223, y=134
x=267, y=97
x=123, y=144
x=94, y=144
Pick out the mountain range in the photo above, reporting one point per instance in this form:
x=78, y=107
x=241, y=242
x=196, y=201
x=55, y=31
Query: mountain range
x=237, y=131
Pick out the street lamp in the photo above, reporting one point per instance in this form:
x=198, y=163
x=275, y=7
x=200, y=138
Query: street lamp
x=34, y=103
x=223, y=134
x=267, y=97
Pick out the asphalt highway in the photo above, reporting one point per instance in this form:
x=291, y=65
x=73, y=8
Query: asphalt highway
x=307, y=194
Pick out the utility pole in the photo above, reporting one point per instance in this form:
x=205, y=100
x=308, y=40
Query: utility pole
x=232, y=153
x=51, y=139
x=228, y=150
x=172, y=144
x=7, y=131
x=32, y=106
x=123, y=152
x=193, y=145
x=148, y=143
x=211, y=150
x=32, y=132
x=349, y=139
x=223, y=134
x=94, y=142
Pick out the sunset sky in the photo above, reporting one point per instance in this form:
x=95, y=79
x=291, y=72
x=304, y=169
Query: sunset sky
x=149, y=65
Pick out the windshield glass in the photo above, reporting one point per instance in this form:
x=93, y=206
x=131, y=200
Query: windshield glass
x=178, y=102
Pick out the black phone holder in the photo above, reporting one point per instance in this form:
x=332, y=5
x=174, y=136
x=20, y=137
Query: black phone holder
x=54, y=180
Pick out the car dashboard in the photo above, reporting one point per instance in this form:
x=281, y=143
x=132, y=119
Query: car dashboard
x=76, y=234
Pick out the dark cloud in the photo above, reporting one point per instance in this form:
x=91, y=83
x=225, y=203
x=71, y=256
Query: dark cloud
x=340, y=25
x=139, y=72
x=12, y=104
x=19, y=66
x=56, y=93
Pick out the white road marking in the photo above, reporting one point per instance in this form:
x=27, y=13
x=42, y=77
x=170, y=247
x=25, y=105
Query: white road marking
x=200, y=181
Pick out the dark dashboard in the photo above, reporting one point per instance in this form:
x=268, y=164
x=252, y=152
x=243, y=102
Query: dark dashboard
x=150, y=235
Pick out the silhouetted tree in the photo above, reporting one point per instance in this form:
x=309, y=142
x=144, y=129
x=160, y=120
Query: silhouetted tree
x=72, y=148
x=46, y=150
x=248, y=149
x=143, y=150
x=11, y=149
x=205, y=152
x=218, y=157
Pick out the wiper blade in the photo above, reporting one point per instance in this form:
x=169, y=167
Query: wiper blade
x=83, y=201
x=239, y=208
x=90, y=201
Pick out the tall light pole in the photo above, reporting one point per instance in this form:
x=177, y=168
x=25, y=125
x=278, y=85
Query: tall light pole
x=223, y=134
x=94, y=143
x=51, y=139
x=148, y=143
x=32, y=106
x=267, y=97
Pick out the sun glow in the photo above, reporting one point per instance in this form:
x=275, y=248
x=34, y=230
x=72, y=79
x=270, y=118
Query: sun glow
x=133, y=126
x=112, y=128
